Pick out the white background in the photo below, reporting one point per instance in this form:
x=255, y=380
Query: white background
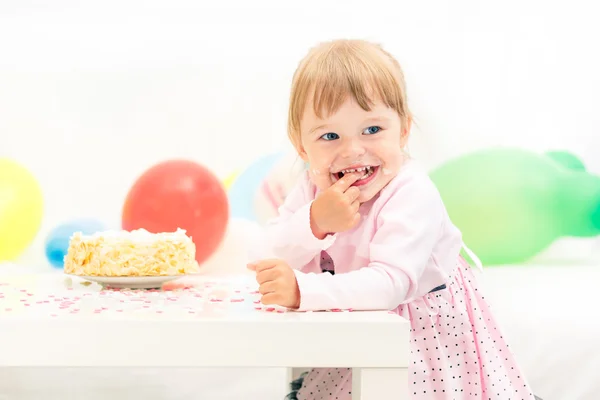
x=92, y=94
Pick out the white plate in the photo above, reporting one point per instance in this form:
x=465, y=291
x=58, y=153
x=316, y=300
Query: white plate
x=131, y=282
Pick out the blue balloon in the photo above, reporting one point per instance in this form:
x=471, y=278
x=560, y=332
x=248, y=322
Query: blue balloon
x=57, y=241
x=244, y=188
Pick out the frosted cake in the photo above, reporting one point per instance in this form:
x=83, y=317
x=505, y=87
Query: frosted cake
x=135, y=253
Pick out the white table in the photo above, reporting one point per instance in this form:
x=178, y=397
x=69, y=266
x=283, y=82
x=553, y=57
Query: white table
x=217, y=325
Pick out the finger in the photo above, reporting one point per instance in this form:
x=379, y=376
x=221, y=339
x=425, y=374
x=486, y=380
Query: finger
x=352, y=193
x=270, y=299
x=267, y=275
x=267, y=287
x=347, y=180
x=262, y=265
x=354, y=207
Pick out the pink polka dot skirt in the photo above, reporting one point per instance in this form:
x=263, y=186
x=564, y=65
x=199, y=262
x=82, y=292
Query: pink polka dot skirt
x=457, y=352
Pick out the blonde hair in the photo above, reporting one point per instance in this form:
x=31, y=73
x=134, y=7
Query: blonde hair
x=334, y=70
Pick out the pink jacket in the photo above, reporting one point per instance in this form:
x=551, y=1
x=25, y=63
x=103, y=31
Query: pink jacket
x=404, y=246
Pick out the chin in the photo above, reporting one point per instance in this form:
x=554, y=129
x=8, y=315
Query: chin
x=367, y=195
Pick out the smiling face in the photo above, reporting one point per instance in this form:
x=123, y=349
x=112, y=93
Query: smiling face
x=348, y=112
x=353, y=139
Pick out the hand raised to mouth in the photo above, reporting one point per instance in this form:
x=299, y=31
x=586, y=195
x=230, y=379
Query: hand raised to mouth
x=336, y=208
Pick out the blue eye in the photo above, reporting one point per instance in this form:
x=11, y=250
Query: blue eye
x=330, y=136
x=371, y=130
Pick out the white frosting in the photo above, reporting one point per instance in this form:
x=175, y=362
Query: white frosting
x=140, y=236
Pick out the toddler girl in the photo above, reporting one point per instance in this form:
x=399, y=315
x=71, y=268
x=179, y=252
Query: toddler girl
x=366, y=229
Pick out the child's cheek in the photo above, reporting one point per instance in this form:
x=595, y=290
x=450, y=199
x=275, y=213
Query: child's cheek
x=320, y=177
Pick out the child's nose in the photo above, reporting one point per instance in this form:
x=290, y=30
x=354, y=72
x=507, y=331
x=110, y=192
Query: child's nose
x=352, y=149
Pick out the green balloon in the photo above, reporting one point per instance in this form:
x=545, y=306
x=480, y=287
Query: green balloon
x=567, y=160
x=510, y=204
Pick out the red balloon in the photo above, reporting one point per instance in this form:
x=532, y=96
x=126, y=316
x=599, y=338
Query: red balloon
x=179, y=194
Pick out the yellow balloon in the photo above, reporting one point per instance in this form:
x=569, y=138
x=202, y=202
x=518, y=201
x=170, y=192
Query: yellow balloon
x=228, y=181
x=21, y=209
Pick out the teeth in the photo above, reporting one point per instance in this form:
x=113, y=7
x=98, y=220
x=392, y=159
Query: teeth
x=367, y=170
x=361, y=169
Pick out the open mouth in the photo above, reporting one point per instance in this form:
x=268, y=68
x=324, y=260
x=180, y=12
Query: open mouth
x=367, y=171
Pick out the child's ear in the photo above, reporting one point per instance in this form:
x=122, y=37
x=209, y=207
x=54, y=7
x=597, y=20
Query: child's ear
x=405, y=132
x=302, y=153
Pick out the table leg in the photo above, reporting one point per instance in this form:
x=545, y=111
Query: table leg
x=289, y=377
x=379, y=383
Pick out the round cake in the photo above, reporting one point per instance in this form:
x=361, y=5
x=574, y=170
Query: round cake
x=135, y=253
